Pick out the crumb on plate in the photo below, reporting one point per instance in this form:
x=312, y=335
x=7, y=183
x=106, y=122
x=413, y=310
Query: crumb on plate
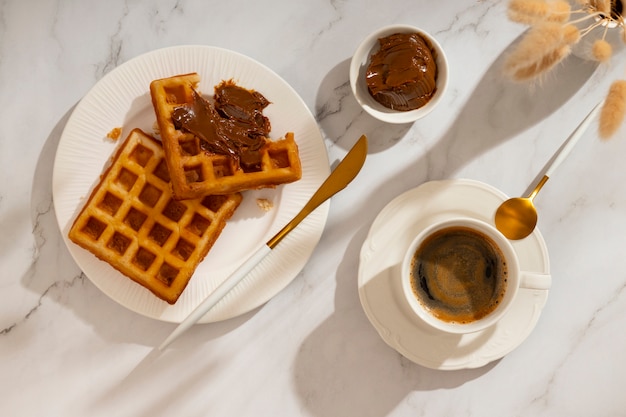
x=115, y=133
x=264, y=204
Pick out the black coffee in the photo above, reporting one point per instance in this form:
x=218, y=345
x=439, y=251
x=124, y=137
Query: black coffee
x=459, y=274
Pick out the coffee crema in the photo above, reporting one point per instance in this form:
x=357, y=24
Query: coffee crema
x=459, y=274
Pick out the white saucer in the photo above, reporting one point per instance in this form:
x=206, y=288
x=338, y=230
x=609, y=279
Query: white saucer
x=379, y=278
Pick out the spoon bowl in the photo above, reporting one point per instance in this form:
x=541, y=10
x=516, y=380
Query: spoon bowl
x=516, y=218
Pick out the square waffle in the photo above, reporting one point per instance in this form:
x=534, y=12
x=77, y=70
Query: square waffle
x=132, y=222
x=195, y=171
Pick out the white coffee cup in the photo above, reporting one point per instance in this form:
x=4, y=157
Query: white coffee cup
x=450, y=276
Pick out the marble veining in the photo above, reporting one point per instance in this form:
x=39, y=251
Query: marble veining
x=66, y=349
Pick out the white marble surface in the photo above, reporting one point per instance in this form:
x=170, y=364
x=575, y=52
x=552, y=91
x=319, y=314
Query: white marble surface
x=66, y=349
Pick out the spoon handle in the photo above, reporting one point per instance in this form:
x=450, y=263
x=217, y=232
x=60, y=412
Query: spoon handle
x=572, y=140
x=538, y=187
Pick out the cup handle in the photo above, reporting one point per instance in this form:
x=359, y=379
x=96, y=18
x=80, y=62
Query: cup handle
x=535, y=281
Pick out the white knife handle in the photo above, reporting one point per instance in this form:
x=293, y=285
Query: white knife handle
x=217, y=294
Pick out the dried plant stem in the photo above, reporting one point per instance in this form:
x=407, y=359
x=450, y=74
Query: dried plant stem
x=586, y=17
x=589, y=28
x=613, y=109
x=551, y=36
x=585, y=9
x=601, y=50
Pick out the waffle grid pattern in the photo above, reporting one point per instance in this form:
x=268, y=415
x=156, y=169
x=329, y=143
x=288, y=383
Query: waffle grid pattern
x=196, y=172
x=132, y=221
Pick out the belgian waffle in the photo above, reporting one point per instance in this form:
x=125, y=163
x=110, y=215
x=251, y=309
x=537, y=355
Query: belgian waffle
x=132, y=222
x=195, y=171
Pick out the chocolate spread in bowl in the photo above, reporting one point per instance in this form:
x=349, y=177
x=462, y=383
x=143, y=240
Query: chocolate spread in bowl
x=402, y=74
x=235, y=126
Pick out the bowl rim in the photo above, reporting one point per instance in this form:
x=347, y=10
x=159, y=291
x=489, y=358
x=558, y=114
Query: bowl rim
x=358, y=66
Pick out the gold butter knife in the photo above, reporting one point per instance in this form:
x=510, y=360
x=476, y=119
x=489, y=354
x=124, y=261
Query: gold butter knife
x=341, y=176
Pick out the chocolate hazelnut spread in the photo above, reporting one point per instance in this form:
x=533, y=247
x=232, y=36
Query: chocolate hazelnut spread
x=244, y=107
x=234, y=126
x=402, y=74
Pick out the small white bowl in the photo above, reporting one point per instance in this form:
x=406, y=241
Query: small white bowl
x=360, y=62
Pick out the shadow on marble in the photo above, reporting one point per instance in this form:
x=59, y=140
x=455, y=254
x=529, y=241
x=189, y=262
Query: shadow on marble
x=496, y=110
x=344, y=368
x=152, y=366
x=343, y=121
x=54, y=275
x=499, y=109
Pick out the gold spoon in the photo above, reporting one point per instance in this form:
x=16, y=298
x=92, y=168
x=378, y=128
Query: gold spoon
x=516, y=218
x=341, y=176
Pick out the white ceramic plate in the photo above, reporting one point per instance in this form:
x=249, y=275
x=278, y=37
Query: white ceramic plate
x=380, y=288
x=122, y=99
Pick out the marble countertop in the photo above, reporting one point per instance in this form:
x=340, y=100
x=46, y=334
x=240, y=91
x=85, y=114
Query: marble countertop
x=67, y=349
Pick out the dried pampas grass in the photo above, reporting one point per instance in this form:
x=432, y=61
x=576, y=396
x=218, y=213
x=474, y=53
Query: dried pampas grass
x=536, y=11
x=613, y=110
x=571, y=34
x=602, y=51
x=541, y=66
x=603, y=6
x=544, y=46
x=551, y=37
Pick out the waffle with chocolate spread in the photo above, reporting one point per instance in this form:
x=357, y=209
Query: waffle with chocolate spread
x=132, y=221
x=220, y=146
